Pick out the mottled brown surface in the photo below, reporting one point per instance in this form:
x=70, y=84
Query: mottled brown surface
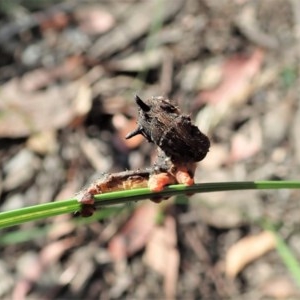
x=162, y=123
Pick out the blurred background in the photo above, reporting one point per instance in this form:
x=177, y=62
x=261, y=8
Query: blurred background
x=69, y=71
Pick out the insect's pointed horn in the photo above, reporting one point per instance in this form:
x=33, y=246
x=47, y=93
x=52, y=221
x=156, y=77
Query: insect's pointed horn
x=133, y=133
x=144, y=107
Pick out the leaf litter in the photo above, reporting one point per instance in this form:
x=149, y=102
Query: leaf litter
x=68, y=78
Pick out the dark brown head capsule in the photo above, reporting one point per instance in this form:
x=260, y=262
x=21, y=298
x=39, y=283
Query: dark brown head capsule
x=162, y=123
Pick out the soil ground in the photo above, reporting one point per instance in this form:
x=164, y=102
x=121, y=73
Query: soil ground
x=69, y=71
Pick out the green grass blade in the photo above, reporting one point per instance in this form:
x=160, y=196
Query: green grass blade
x=288, y=258
x=36, y=212
x=26, y=235
x=41, y=211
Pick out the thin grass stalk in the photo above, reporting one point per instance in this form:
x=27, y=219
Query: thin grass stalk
x=42, y=211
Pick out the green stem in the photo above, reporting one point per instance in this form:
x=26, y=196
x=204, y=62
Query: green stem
x=289, y=259
x=41, y=211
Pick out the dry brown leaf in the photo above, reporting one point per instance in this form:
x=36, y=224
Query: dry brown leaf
x=138, y=24
x=247, y=250
x=162, y=255
x=43, y=142
x=138, y=62
x=279, y=288
x=94, y=20
x=20, y=169
x=36, y=79
x=218, y=156
x=82, y=103
x=24, y=113
x=71, y=68
x=123, y=125
x=242, y=148
x=29, y=269
x=90, y=148
x=246, y=143
x=83, y=100
x=135, y=233
x=36, y=264
x=276, y=122
x=238, y=73
x=211, y=76
x=61, y=227
x=52, y=252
